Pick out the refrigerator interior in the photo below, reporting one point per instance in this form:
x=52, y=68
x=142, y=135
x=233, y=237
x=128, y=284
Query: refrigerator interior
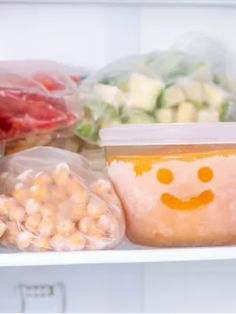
x=91, y=34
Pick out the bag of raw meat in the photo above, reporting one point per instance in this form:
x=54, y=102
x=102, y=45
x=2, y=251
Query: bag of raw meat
x=51, y=200
x=36, y=97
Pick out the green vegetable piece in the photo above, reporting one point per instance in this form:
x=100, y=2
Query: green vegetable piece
x=228, y=110
x=85, y=129
x=186, y=112
x=143, y=92
x=172, y=96
x=109, y=94
x=165, y=115
x=193, y=91
x=214, y=96
x=108, y=80
x=110, y=116
x=133, y=116
x=88, y=131
x=208, y=115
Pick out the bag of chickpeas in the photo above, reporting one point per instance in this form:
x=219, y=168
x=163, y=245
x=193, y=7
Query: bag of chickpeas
x=51, y=200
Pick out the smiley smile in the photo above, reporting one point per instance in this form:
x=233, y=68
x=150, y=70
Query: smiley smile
x=194, y=202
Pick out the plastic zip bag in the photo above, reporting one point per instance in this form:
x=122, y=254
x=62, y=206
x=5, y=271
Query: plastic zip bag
x=62, y=138
x=36, y=97
x=51, y=200
x=182, y=84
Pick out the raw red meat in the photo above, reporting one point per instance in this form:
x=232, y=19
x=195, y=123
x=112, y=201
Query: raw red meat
x=35, y=96
x=21, y=113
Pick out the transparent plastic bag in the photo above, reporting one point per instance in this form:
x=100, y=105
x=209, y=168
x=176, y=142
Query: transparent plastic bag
x=63, y=138
x=2, y=149
x=96, y=159
x=36, y=97
x=190, y=82
x=51, y=200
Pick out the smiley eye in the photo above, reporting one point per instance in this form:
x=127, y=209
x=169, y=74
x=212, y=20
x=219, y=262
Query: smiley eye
x=165, y=176
x=205, y=174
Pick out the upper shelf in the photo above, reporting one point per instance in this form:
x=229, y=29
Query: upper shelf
x=129, y=2
x=131, y=255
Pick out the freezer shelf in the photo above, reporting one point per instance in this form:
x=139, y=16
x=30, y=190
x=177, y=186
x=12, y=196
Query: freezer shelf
x=125, y=254
x=130, y=2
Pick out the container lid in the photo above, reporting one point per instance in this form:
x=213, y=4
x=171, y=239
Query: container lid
x=169, y=133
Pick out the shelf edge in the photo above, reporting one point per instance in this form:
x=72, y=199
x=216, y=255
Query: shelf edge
x=117, y=256
x=127, y=2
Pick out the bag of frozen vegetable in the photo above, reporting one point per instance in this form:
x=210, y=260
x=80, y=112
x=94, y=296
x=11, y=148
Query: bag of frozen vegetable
x=51, y=200
x=62, y=138
x=36, y=97
x=177, y=85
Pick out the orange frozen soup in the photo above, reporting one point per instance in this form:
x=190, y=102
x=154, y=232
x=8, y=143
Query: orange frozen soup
x=177, y=195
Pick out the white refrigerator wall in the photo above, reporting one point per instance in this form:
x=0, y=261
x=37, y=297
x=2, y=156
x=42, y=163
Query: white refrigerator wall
x=181, y=287
x=91, y=36
x=84, y=35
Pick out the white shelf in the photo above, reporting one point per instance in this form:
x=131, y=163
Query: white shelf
x=133, y=254
x=128, y=2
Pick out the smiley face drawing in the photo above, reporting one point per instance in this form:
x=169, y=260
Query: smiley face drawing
x=205, y=174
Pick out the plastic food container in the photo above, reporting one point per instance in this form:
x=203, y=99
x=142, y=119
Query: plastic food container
x=177, y=182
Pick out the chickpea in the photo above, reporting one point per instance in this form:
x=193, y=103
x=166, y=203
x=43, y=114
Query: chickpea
x=32, y=222
x=24, y=240
x=57, y=242
x=61, y=174
x=42, y=178
x=16, y=214
x=76, y=241
x=65, y=228
x=47, y=226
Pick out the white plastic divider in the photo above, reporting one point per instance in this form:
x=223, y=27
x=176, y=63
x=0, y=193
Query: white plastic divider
x=117, y=256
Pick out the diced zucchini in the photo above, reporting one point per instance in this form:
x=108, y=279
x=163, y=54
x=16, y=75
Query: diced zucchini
x=193, y=91
x=228, y=111
x=172, y=96
x=110, y=116
x=106, y=123
x=108, y=80
x=225, y=81
x=214, y=95
x=206, y=115
x=186, y=112
x=143, y=92
x=88, y=130
x=165, y=115
x=109, y=94
x=132, y=116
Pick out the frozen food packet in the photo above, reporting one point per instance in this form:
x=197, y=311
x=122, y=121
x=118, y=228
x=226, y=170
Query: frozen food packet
x=63, y=138
x=36, y=97
x=180, y=182
x=51, y=200
x=77, y=74
x=186, y=83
